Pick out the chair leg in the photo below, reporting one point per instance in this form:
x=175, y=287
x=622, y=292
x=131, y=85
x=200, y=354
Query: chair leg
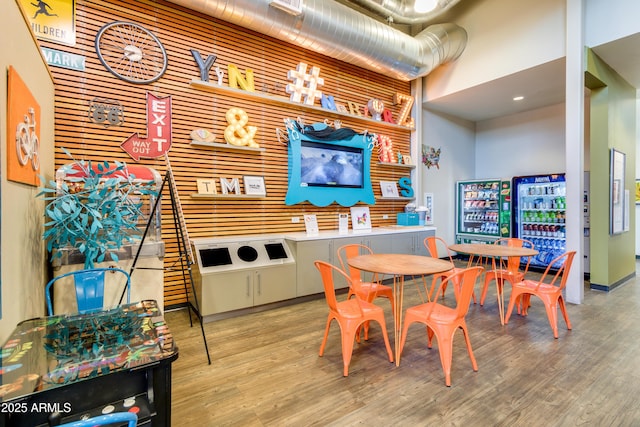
x=512, y=300
x=445, y=348
x=563, y=309
x=348, y=336
x=483, y=295
x=474, y=364
x=552, y=315
x=407, y=322
x=326, y=335
x=385, y=336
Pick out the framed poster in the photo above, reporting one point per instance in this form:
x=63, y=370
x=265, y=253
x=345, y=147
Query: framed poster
x=389, y=189
x=616, y=192
x=360, y=219
x=254, y=185
x=428, y=203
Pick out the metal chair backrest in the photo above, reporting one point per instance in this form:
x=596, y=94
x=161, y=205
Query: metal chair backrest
x=513, y=263
x=434, y=245
x=347, y=252
x=89, y=288
x=104, y=420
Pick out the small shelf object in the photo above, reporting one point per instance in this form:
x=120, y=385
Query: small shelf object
x=219, y=146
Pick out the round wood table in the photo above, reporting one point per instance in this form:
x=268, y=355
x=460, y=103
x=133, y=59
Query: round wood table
x=495, y=252
x=398, y=266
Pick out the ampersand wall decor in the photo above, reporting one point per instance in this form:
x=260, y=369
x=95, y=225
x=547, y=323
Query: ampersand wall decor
x=238, y=133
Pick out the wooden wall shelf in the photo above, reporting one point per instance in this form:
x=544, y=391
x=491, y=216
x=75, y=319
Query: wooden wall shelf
x=397, y=165
x=282, y=101
x=218, y=146
x=396, y=198
x=226, y=196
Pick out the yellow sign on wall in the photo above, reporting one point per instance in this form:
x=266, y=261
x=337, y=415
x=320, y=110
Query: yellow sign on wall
x=53, y=20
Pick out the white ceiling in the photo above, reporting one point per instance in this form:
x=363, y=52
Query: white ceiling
x=541, y=86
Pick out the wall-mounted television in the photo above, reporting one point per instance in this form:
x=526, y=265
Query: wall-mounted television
x=331, y=165
x=328, y=165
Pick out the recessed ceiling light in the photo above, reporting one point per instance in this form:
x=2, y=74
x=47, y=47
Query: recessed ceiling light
x=518, y=98
x=425, y=6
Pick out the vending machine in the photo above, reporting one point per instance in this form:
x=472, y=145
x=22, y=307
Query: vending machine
x=483, y=210
x=539, y=212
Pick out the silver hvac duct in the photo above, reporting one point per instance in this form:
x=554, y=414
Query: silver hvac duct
x=402, y=11
x=339, y=32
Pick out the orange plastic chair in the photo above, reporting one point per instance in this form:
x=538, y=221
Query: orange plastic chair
x=349, y=314
x=432, y=244
x=512, y=273
x=443, y=321
x=550, y=293
x=367, y=291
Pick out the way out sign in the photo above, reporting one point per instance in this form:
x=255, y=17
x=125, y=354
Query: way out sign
x=158, y=140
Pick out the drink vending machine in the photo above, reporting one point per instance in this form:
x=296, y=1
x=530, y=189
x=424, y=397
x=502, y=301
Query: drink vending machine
x=539, y=212
x=483, y=210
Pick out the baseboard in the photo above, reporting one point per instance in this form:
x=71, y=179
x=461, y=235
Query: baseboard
x=608, y=288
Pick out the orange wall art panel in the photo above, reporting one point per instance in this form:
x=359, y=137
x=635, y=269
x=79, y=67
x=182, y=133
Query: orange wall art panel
x=23, y=134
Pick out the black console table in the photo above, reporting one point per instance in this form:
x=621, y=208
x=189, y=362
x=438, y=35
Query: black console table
x=64, y=368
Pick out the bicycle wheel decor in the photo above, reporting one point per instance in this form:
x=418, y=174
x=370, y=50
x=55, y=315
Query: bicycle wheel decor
x=131, y=52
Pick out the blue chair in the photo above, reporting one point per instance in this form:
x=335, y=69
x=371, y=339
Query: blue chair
x=89, y=285
x=104, y=420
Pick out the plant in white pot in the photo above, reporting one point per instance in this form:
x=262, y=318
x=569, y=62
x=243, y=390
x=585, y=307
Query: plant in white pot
x=95, y=209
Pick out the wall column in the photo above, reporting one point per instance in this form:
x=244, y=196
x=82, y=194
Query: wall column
x=574, y=146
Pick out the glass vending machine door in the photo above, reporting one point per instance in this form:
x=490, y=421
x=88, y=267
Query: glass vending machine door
x=539, y=213
x=478, y=211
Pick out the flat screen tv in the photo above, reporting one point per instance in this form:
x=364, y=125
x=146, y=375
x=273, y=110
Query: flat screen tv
x=331, y=165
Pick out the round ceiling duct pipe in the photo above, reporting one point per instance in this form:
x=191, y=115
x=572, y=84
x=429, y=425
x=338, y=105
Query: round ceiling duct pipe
x=340, y=32
x=403, y=11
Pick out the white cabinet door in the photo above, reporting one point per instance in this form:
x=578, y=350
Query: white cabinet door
x=274, y=284
x=226, y=291
x=308, y=278
x=379, y=244
x=403, y=243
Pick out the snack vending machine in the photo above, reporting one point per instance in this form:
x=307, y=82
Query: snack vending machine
x=539, y=213
x=483, y=210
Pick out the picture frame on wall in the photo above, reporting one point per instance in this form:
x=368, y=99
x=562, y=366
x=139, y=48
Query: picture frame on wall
x=616, y=192
x=254, y=185
x=428, y=203
x=360, y=219
x=389, y=189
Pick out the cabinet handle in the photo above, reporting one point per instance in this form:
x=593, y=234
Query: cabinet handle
x=259, y=284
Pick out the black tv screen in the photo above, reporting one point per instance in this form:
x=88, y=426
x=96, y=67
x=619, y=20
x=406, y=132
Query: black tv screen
x=215, y=257
x=331, y=165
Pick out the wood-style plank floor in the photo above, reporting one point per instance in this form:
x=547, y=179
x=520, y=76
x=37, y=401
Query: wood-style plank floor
x=266, y=371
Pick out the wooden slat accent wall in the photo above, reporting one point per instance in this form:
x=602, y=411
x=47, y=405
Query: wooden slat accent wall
x=181, y=30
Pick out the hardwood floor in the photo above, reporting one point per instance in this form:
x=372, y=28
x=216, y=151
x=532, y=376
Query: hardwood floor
x=266, y=371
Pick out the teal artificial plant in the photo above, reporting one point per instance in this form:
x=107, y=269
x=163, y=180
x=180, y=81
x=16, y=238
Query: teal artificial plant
x=94, y=209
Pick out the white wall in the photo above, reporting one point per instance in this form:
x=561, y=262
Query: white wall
x=528, y=143
x=504, y=37
x=456, y=138
x=620, y=18
x=23, y=260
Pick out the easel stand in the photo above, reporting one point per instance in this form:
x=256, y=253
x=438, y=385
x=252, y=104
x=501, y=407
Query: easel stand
x=185, y=254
